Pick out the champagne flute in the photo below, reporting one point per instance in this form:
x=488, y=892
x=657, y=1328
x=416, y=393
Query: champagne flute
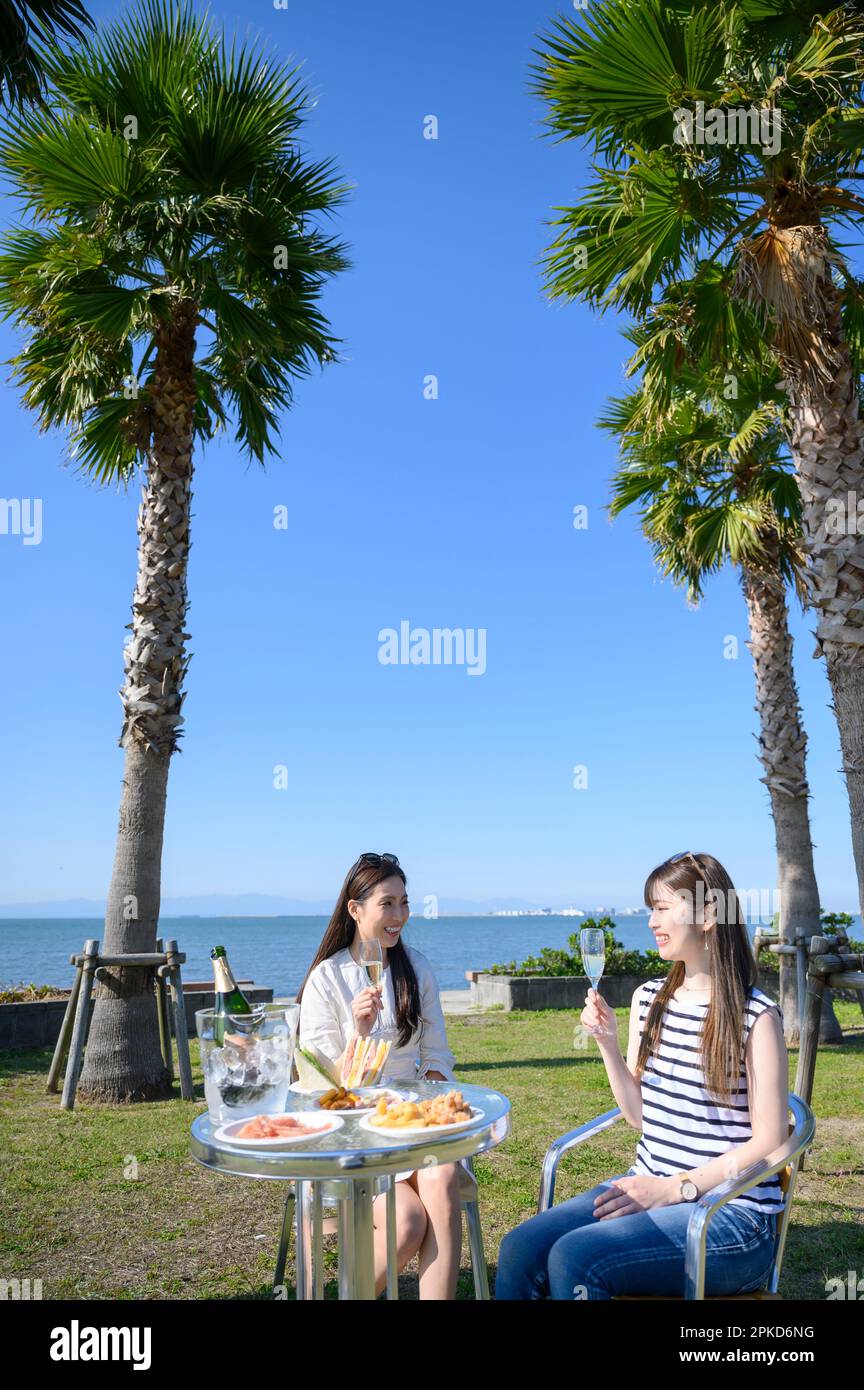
x=372, y=961
x=592, y=942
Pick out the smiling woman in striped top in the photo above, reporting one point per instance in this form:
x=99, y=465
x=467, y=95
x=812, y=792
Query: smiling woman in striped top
x=706, y=1082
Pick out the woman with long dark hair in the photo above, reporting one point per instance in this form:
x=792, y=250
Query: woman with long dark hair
x=706, y=1080
x=337, y=1003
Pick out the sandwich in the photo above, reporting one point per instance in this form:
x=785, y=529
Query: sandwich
x=364, y=1061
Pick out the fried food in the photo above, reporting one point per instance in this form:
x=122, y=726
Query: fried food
x=422, y=1114
x=339, y=1099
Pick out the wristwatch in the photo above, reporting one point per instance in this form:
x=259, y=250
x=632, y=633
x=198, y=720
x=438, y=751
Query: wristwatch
x=689, y=1191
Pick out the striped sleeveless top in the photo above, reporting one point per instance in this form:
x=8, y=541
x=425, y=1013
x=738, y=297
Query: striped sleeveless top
x=682, y=1126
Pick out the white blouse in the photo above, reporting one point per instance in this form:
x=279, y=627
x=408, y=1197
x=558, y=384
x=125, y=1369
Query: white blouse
x=327, y=1020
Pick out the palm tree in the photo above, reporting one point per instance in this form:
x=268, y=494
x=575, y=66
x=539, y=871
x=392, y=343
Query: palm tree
x=708, y=471
x=765, y=219
x=169, y=282
x=23, y=25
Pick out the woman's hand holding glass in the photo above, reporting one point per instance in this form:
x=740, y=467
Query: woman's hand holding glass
x=598, y=1019
x=366, y=1007
x=371, y=959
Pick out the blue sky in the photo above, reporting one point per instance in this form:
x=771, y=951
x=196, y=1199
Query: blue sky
x=450, y=513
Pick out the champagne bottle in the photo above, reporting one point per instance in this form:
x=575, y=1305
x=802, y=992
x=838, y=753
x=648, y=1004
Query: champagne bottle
x=230, y=998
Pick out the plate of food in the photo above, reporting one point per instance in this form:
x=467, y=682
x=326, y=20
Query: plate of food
x=278, y=1131
x=361, y=1101
x=437, y=1115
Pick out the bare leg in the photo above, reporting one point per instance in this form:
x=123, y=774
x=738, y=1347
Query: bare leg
x=438, y=1189
x=410, y=1230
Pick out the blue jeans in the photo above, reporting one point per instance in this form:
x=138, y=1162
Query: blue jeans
x=567, y=1253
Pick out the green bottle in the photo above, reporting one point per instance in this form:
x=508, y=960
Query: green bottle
x=230, y=998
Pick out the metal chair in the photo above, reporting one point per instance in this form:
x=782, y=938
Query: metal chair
x=784, y=1161
x=303, y=1211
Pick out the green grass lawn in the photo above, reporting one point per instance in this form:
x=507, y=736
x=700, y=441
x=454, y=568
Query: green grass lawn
x=106, y=1202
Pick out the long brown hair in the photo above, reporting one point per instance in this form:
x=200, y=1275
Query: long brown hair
x=360, y=880
x=729, y=960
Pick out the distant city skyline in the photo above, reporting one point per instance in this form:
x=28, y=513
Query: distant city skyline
x=757, y=906
x=264, y=906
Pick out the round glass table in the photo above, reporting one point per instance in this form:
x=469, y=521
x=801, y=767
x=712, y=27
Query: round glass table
x=349, y=1167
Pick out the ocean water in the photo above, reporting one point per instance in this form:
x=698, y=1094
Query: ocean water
x=277, y=951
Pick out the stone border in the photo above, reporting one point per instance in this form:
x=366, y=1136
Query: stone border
x=37, y=1022
x=566, y=991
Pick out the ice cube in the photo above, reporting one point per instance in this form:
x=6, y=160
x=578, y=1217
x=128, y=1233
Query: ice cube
x=216, y=1066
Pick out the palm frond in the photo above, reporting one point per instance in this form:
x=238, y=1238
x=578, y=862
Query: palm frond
x=758, y=423
x=653, y=209
x=63, y=164
x=618, y=73
x=167, y=172
x=24, y=25
x=634, y=229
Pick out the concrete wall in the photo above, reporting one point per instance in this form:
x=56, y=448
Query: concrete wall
x=38, y=1023
x=566, y=991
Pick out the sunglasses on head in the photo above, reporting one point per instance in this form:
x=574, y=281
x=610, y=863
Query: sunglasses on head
x=372, y=858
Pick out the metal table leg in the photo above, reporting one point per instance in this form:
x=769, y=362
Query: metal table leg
x=284, y=1237
x=346, y=1245
x=304, y=1241
x=364, y=1240
x=392, y=1269
x=317, y=1243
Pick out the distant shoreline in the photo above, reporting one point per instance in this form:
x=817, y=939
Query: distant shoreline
x=41, y=912
x=500, y=916
x=7, y=916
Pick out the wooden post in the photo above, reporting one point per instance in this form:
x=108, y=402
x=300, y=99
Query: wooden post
x=62, y=1046
x=809, y=1043
x=164, y=1017
x=801, y=960
x=82, y=1024
x=843, y=950
x=184, y=1061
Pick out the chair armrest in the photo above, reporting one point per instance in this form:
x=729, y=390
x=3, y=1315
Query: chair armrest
x=560, y=1146
x=716, y=1197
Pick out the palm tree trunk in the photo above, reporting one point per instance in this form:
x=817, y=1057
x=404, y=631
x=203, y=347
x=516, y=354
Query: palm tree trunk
x=827, y=443
x=827, y=440
x=782, y=752
x=123, y=1061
